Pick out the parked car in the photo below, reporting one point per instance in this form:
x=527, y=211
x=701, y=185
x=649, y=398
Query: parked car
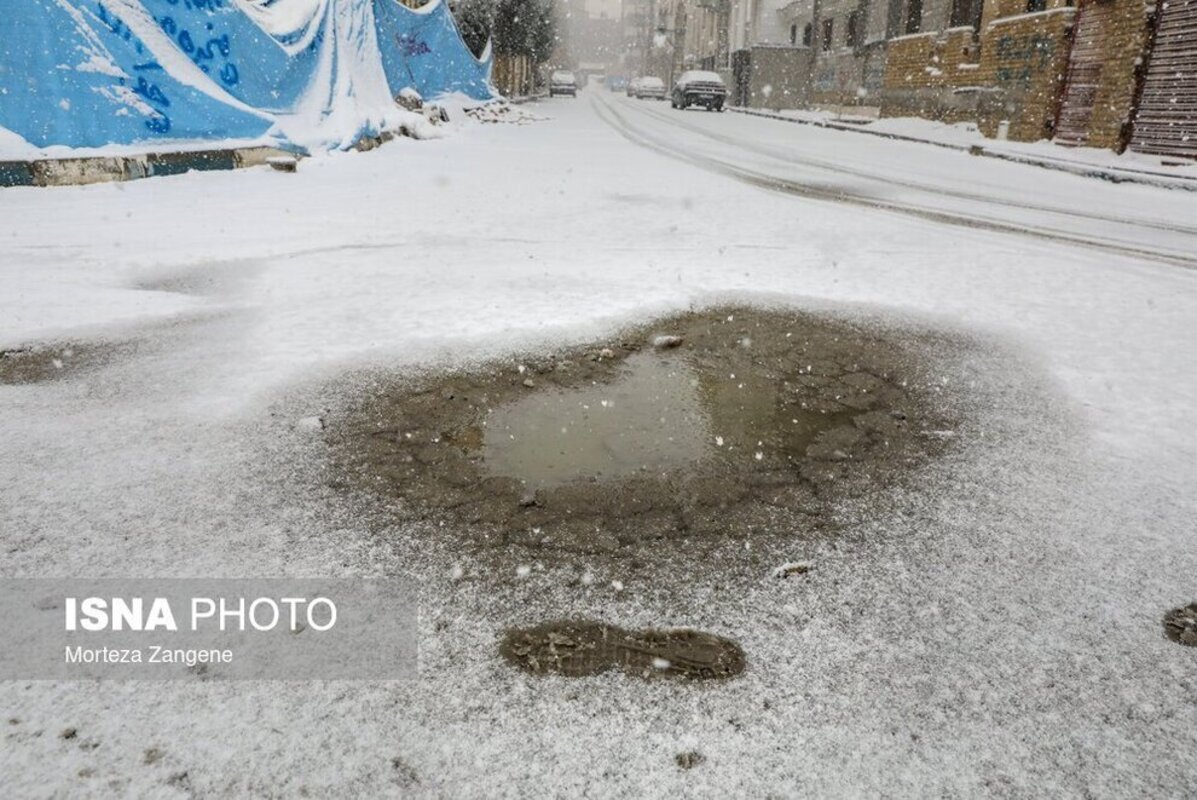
x=650, y=87
x=632, y=85
x=563, y=82
x=699, y=88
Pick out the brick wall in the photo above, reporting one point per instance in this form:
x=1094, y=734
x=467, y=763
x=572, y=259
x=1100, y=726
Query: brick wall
x=1011, y=70
x=932, y=60
x=932, y=75
x=1024, y=58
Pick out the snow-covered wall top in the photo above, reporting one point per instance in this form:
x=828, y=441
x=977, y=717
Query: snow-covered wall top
x=315, y=73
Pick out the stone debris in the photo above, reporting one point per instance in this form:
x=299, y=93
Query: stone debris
x=283, y=163
x=409, y=99
x=501, y=111
x=666, y=341
x=792, y=568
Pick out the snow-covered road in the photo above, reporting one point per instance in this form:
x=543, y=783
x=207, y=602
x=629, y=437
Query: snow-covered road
x=950, y=187
x=997, y=633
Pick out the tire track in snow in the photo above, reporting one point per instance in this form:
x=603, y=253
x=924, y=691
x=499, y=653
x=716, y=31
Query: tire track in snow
x=607, y=112
x=792, y=157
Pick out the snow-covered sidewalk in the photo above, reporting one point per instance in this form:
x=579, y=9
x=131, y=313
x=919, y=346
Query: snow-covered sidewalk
x=997, y=632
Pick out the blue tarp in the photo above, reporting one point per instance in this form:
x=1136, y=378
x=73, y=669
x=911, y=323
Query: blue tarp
x=423, y=49
x=73, y=74
x=87, y=73
x=231, y=49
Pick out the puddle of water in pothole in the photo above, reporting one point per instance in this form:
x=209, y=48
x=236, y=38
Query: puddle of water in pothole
x=579, y=648
x=753, y=427
x=650, y=419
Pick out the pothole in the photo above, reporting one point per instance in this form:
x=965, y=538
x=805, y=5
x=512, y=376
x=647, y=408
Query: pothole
x=581, y=648
x=1180, y=625
x=742, y=435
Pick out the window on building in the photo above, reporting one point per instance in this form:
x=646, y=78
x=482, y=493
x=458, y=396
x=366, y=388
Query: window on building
x=853, y=29
x=914, y=16
x=828, y=31
x=794, y=33
x=967, y=12
x=807, y=34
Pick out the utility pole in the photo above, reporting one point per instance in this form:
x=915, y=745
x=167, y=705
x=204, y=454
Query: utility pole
x=650, y=18
x=679, y=42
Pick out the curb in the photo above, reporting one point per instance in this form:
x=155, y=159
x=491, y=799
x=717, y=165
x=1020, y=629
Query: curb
x=526, y=98
x=1157, y=179
x=107, y=169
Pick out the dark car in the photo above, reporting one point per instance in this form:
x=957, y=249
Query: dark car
x=563, y=82
x=699, y=88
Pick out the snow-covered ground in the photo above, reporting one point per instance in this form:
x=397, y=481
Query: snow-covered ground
x=997, y=633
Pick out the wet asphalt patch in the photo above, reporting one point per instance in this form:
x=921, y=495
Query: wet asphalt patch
x=50, y=362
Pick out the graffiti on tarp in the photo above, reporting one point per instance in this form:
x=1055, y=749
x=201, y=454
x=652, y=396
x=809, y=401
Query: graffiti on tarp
x=411, y=45
x=208, y=51
x=198, y=5
x=158, y=121
x=1021, y=57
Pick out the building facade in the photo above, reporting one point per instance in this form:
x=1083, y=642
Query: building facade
x=1106, y=73
x=1109, y=73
